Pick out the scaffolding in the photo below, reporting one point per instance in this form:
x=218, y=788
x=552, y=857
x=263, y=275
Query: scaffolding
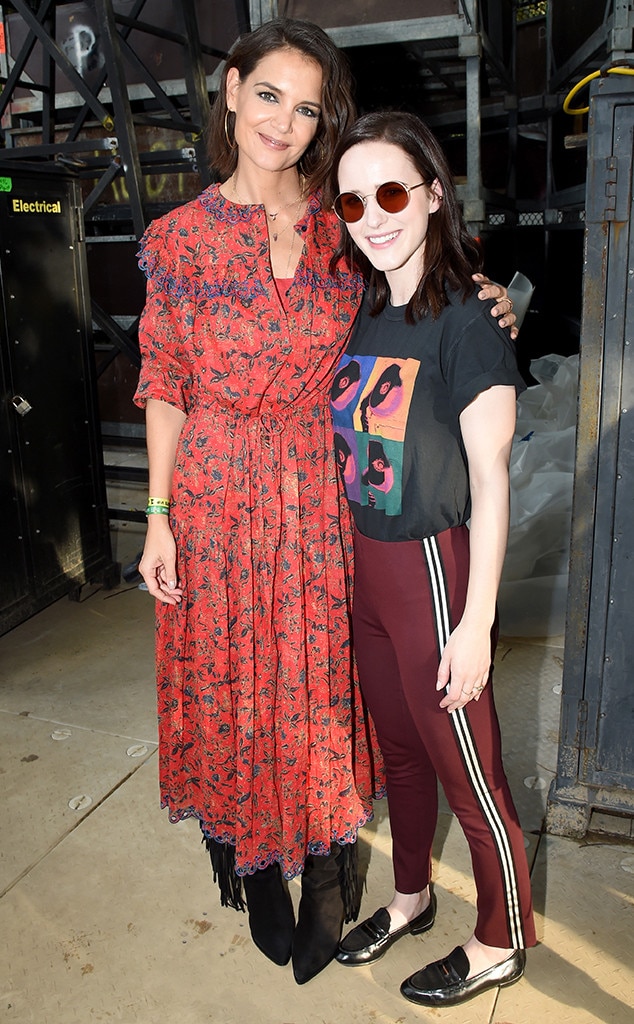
x=119, y=91
x=94, y=87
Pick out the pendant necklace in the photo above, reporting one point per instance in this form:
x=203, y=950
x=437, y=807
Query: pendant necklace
x=276, y=234
x=273, y=216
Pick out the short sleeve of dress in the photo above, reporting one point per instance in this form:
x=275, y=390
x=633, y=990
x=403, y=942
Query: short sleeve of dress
x=482, y=356
x=165, y=324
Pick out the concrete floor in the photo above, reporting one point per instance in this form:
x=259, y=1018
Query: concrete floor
x=108, y=912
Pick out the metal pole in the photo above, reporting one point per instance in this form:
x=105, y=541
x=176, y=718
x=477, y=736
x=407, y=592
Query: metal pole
x=124, y=124
x=196, y=82
x=261, y=11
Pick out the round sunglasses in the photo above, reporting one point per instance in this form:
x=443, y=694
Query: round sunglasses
x=392, y=196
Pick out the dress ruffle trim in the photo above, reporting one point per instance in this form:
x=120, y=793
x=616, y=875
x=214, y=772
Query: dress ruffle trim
x=213, y=201
x=224, y=838
x=158, y=255
x=179, y=286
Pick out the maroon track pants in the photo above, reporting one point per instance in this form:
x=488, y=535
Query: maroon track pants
x=408, y=597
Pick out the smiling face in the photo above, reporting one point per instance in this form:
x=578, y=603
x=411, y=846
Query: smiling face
x=277, y=109
x=393, y=242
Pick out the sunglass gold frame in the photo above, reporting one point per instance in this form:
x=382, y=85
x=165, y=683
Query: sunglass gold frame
x=406, y=189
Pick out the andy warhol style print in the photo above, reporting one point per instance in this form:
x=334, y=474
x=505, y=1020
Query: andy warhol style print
x=371, y=399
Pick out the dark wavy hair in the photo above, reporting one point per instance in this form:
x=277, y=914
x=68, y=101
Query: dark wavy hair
x=338, y=109
x=452, y=255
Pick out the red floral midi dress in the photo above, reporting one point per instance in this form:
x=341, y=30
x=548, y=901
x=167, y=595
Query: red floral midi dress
x=262, y=732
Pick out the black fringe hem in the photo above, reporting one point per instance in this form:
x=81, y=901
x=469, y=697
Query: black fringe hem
x=223, y=857
x=350, y=882
x=223, y=860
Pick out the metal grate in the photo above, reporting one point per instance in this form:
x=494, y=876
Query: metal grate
x=531, y=220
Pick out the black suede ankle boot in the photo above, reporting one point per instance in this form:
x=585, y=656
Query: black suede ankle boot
x=271, y=915
x=322, y=910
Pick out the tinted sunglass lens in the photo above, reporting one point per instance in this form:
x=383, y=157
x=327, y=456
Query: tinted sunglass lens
x=392, y=197
x=349, y=207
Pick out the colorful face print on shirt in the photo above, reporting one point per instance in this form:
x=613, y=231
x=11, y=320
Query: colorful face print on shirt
x=346, y=384
x=370, y=400
x=346, y=462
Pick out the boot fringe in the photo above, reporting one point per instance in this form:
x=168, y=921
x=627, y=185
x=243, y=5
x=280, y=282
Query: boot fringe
x=223, y=865
x=350, y=882
x=223, y=855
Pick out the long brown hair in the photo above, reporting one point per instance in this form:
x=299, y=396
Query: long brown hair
x=338, y=108
x=452, y=255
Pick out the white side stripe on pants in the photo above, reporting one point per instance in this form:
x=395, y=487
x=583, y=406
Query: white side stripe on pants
x=464, y=737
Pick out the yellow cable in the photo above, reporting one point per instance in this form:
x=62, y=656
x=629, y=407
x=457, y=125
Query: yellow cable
x=584, y=81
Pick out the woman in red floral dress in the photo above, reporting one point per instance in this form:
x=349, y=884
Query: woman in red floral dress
x=262, y=733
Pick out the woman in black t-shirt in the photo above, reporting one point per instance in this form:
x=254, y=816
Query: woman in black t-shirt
x=418, y=467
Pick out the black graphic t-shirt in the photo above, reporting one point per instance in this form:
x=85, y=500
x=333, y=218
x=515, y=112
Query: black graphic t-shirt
x=396, y=400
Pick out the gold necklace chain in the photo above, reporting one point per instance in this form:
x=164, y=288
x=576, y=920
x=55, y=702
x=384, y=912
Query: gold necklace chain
x=290, y=254
x=276, y=234
x=273, y=216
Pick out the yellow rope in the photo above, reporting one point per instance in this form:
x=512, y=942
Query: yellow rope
x=584, y=81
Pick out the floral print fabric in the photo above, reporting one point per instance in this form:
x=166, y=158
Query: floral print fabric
x=262, y=733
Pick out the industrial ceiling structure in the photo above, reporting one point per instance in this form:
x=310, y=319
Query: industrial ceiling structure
x=119, y=91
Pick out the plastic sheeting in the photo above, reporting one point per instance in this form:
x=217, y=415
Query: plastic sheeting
x=532, y=598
